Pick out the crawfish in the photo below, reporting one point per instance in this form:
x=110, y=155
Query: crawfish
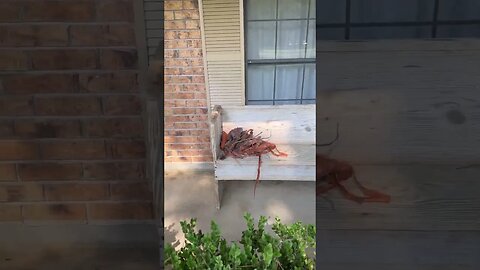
x=333, y=172
x=240, y=143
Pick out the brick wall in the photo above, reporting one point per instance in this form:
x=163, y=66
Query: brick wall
x=186, y=126
x=71, y=132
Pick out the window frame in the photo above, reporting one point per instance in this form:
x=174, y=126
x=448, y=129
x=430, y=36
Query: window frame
x=347, y=25
x=275, y=62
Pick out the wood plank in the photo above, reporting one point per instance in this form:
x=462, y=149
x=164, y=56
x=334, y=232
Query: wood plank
x=345, y=250
x=435, y=197
x=406, y=71
x=249, y=172
x=401, y=107
x=298, y=154
x=215, y=131
x=294, y=125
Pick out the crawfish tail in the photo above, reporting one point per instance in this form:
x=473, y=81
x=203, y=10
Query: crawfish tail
x=258, y=174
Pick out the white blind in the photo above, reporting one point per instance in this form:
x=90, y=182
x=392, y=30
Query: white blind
x=223, y=42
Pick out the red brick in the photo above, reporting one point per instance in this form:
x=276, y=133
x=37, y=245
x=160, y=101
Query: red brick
x=8, y=172
x=56, y=211
x=196, y=103
x=117, y=127
x=200, y=96
x=36, y=84
x=184, y=110
x=178, y=159
x=174, y=25
x=181, y=95
x=185, y=125
x=6, y=128
x=33, y=35
x=203, y=125
x=76, y=192
x=131, y=191
x=63, y=59
x=186, y=14
x=13, y=60
x=47, y=128
x=173, y=5
x=127, y=149
x=131, y=171
x=49, y=171
x=176, y=139
x=16, y=106
x=184, y=62
x=182, y=34
x=194, y=153
x=192, y=24
x=178, y=79
x=200, y=133
x=202, y=159
x=187, y=146
x=115, y=10
x=25, y=192
x=113, y=82
x=122, y=105
x=120, y=211
x=190, y=5
x=195, y=88
x=118, y=59
x=184, y=71
x=198, y=79
x=176, y=118
x=100, y=171
x=59, y=11
x=73, y=150
x=176, y=132
x=102, y=35
x=183, y=44
x=10, y=212
x=63, y=106
x=168, y=15
x=10, y=11
x=114, y=171
x=175, y=103
x=18, y=150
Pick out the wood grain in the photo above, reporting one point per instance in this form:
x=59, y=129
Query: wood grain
x=298, y=154
x=344, y=250
x=282, y=124
x=401, y=107
x=435, y=197
x=249, y=172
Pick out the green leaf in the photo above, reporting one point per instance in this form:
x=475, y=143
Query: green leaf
x=268, y=254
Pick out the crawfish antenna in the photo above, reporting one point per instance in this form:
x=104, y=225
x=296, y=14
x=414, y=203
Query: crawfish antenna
x=334, y=140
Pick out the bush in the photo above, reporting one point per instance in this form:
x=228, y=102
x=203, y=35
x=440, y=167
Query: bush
x=287, y=249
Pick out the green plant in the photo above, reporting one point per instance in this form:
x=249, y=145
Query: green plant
x=257, y=249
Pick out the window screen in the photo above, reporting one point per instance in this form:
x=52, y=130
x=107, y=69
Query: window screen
x=393, y=19
x=280, y=51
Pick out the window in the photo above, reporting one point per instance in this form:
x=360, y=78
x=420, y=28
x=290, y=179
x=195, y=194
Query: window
x=280, y=52
x=393, y=19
